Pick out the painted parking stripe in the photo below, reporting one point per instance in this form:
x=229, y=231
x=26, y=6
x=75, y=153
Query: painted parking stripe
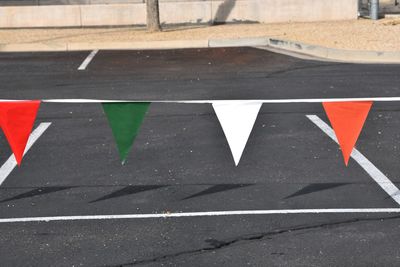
x=367, y=165
x=87, y=60
x=10, y=164
x=198, y=214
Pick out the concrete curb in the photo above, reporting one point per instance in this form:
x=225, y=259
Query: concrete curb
x=337, y=54
x=314, y=51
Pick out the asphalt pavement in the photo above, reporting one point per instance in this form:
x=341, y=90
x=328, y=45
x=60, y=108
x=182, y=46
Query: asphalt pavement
x=181, y=162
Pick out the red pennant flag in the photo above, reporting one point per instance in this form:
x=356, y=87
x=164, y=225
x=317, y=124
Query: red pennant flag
x=16, y=120
x=347, y=120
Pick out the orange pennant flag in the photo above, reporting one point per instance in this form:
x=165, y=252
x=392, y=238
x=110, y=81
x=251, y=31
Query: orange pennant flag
x=16, y=120
x=347, y=120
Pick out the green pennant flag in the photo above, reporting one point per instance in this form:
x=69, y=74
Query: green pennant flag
x=125, y=120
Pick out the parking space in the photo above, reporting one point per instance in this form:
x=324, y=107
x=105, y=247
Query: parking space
x=219, y=73
x=181, y=162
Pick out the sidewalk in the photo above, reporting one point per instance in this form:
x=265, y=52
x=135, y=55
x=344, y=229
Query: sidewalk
x=361, y=35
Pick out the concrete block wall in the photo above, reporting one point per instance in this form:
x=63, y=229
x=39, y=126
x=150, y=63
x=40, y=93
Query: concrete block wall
x=176, y=12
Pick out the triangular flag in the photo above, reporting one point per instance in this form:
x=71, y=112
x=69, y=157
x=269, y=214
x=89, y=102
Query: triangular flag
x=347, y=120
x=16, y=120
x=237, y=119
x=125, y=120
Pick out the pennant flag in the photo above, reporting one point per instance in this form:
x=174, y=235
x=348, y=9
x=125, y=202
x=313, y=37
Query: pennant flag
x=347, y=120
x=125, y=120
x=16, y=121
x=237, y=119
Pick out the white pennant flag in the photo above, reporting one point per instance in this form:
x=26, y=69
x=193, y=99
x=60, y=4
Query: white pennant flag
x=237, y=119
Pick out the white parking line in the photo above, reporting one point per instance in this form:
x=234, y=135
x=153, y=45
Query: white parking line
x=10, y=164
x=367, y=165
x=87, y=60
x=197, y=214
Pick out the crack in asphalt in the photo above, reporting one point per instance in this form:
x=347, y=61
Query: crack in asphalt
x=216, y=244
x=295, y=68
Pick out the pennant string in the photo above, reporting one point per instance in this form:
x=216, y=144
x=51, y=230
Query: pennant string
x=237, y=117
x=125, y=120
x=347, y=120
x=16, y=120
x=237, y=121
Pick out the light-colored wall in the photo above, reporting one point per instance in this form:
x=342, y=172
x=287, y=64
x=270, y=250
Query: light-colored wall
x=39, y=16
x=120, y=14
x=202, y=11
x=307, y=10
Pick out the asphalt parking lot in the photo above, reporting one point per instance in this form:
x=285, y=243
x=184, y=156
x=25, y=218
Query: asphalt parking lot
x=181, y=162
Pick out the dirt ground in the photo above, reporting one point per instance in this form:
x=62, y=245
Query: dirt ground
x=361, y=34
